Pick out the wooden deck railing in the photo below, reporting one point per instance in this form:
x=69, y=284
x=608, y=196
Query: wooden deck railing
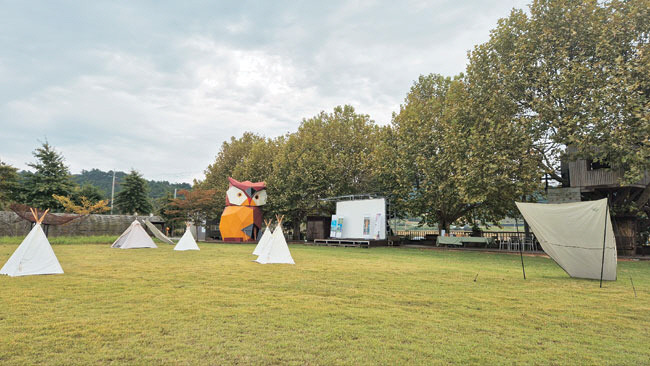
x=430, y=234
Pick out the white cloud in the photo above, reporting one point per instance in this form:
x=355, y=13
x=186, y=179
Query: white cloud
x=162, y=99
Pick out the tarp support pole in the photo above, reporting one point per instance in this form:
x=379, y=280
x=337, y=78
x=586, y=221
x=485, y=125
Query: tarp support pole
x=602, y=264
x=521, y=255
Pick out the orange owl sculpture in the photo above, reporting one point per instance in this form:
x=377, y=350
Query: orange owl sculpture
x=241, y=220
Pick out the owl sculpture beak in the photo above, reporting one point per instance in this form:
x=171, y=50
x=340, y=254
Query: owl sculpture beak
x=250, y=192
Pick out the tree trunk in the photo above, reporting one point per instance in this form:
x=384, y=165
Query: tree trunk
x=443, y=225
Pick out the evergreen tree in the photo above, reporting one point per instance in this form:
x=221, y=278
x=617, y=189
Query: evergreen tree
x=133, y=196
x=51, y=176
x=8, y=184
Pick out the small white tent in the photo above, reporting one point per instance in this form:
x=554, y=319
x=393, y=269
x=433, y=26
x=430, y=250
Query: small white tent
x=134, y=237
x=34, y=256
x=264, y=240
x=573, y=234
x=277, y=250
x=187, y=241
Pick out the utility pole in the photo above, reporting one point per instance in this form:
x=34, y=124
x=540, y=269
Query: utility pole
x=112, y=191
x=174, y=193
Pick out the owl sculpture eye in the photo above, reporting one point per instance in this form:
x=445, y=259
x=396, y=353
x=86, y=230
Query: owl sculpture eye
x=260, y=198
x=236, y=196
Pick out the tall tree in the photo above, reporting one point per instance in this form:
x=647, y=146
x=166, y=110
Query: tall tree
x=51, y=176
x=442, y=161
x=231, y=156
x=329, y=155
x=257, y=165
x=576, y=73
x=133, y=196
x=196, y=205
x=8, y=184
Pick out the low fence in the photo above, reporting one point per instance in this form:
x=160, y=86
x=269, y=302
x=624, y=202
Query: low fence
x=432, y=234
x=12, y=225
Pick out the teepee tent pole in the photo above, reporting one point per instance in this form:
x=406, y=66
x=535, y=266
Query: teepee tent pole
x=43, y=217
x=602, y=264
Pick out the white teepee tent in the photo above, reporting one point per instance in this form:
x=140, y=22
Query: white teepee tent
x=134, y=237
x=264, y=240
x=187, y=241
x=34, y=255
x=277, y=250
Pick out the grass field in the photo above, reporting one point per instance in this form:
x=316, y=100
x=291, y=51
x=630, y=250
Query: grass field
x=335, y=306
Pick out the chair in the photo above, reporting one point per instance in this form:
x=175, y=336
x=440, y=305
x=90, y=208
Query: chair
x=514, y=243
x=504, y=243
x=529, y=244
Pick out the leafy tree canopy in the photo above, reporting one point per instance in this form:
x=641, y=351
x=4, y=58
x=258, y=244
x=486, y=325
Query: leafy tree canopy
x=232, y=155
x=9, y=186
x=196, y=205
x=329, y=155
x=575, y=73
x=84, y=207
x=443, y=159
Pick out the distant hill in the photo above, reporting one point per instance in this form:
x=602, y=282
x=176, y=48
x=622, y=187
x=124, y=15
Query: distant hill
x=103, y=181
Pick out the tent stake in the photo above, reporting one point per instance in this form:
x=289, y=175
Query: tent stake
x=602, y=264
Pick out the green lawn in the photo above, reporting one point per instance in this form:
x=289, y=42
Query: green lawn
x=335, y=306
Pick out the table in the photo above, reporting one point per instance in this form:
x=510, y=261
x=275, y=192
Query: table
x=460, y=240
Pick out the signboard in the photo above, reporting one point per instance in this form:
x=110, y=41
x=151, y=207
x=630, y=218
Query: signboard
x=333, y=226
x=339, y=227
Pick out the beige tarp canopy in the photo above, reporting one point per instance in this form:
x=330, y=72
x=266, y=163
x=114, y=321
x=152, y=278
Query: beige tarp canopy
x=573, y=233
x=157, y=233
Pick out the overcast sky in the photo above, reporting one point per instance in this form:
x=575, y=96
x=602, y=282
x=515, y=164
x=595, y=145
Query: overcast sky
x=158, y=86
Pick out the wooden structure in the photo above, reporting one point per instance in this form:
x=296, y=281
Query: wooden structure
x=212, y=229
x=318, y=227
x=358, y=243
x=591, y=177
x=597, y=180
